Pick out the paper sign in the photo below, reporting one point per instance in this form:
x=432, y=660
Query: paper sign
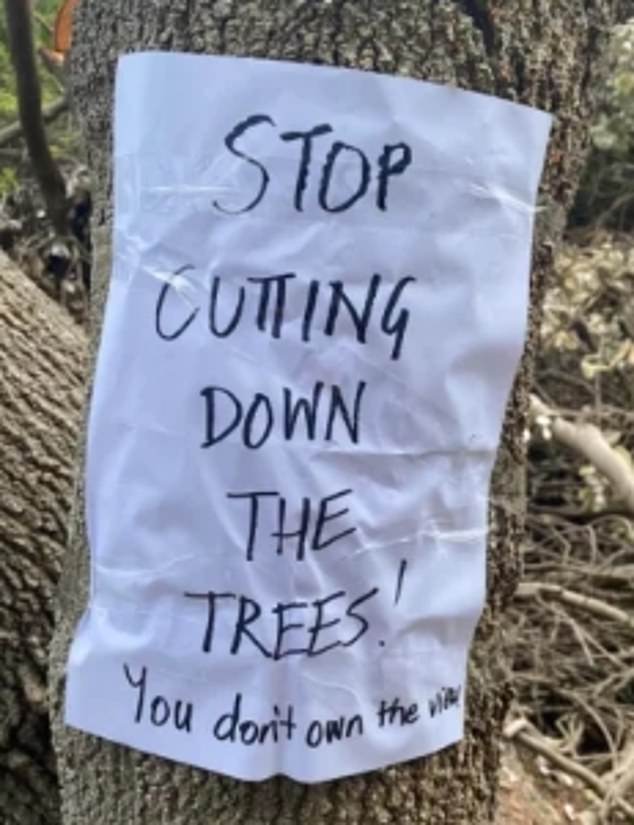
x=317, y=306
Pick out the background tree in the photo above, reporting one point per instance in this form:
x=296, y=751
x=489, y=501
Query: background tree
x=29, y=97
x=44, y=13
x=539, y=52
x=607, y=193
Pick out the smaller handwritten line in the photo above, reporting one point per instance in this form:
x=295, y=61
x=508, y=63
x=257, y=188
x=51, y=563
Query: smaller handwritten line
x=399, y=581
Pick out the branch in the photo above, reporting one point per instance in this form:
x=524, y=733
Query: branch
x=622, y=777
x=589, y=441
x=49, y=114
x=528, y=590
x=518, y=733
x=579, y=516
x=43, y=23
x=20, y=36
x=12, y=155
x=54, y=65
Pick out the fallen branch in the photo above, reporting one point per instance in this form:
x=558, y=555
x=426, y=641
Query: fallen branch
x=49, y=113
x=622, y=777
x=538, y=744
x=528, y=590
x=589, y=441
x=580, y=516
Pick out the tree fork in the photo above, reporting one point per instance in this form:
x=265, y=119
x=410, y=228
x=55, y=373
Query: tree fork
x=539, y=52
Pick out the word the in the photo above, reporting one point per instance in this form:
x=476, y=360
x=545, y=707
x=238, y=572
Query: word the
x=393, y=160
x=309, y=622
x=394, y=713
x=318, y=541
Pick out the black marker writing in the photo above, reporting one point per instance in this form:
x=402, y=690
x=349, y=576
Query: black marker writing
x=445, y=698
x=304, y=164
x=395, y=713
x=160, y=308
x=389, y=168
x=253, y=420
x=326, y=177
x=286, y=628
x=320, y=539
x=230, y=141
x=329, y=731
x=334, y=308
x=235, y=726
x=393, y=160
x=158, y=710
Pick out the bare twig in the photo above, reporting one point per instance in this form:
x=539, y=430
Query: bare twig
x=49, y=114
x=539, y=745
x=596, y=606
x=622, y=777
x=589, y=441
x=54, y=68
x=581, y=516
x=43, y=23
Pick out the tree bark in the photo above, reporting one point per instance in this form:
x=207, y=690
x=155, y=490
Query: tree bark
x=539, y=52
x=41, y=363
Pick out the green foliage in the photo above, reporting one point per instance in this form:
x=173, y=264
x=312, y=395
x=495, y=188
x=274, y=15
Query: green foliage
x=587, y=357
x=43, y=20
x=8, y=179
x=607, y=192
x=46, y=12
x=7, y=82
x=614, y=130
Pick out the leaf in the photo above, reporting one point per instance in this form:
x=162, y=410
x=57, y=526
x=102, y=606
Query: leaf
x=63, y=32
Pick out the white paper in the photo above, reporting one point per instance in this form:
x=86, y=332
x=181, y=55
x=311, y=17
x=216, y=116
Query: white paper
x=209, y=638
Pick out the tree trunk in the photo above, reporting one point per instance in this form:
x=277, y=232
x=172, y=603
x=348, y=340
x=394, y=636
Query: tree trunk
x=47, y=173
x=539, y=52
x=41, y=363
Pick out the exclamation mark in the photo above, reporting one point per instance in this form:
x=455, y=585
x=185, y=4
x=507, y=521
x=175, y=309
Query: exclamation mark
x=399, y=580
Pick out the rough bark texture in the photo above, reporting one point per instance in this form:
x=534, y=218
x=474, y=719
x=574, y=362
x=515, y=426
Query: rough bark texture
x=540, y=52
x=41, y=364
